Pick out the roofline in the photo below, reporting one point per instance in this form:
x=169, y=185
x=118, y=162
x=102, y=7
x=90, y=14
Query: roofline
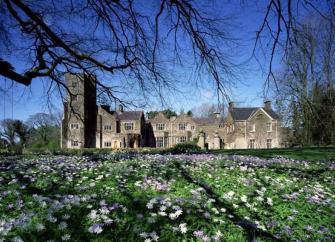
x=263, y=112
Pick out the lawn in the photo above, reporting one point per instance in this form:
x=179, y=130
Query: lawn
x=314, y=154
x=199, y=197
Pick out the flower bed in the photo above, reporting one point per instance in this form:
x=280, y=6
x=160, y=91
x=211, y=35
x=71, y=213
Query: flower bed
x=199, y=197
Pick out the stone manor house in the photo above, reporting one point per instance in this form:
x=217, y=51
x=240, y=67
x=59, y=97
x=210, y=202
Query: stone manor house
x=87, y=125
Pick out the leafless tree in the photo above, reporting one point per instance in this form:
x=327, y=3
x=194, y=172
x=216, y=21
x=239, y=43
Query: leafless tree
x=112, y=40
x=306, y=82
x=206, y=110
x=280, y=29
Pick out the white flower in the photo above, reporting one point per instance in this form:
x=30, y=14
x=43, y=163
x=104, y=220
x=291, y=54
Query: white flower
x=179, y=212
x=143, y=235
x=66, y=237
x=244, y=198
x=218, y=233
x=269, y=201
x=93, y=215
x=183, y=228
x=154, y=236
x=229, y=195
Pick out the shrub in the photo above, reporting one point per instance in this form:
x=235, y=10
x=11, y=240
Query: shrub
x=188, y=147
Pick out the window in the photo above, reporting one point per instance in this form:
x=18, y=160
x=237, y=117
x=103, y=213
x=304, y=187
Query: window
x=192, y=127
x=107, y=144
x=182, y=126
x=182, y=139
x=74, y=84
x=74, y=143
x=269, y=127
x=108, y=127
x=251, y=144
x=74, y=97
x=166, y=141
x=252, y=128
x=128, y=126
x=220, y=126
x=74, y=126
x=160, y=126
x=159, y=142
x=269, y=143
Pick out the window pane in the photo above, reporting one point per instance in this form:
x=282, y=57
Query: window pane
x=159, y=142
x=182, y=126
x=128, y=126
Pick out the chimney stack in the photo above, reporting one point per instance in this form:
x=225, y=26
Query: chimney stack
x=120, y=108
x=231, y=105
x=217, y=115
x=106, y=107
x=267, y=104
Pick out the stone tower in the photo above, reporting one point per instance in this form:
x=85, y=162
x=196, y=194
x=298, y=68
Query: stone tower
x=80, y=112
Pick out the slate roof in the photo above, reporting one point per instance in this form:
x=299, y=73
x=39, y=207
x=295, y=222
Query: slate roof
x=245, y=113
x=125, y=115
x=272, y=113
x=242, y=113
x=129, y=115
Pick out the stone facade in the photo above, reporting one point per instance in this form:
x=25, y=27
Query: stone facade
x=87, y=125
x=252, y=128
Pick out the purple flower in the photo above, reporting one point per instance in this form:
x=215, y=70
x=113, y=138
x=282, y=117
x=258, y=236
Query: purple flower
x=95, y=229
x=198, y=233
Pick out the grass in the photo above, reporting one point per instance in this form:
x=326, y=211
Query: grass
x=313, y=154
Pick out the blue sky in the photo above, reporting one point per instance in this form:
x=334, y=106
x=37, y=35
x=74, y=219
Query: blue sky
x=20, y=102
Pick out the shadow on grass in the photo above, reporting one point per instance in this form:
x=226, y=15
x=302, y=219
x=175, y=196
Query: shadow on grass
x=250, y=228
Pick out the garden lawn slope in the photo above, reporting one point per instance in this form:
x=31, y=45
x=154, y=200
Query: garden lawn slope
x=315, y=153
x=202, y=197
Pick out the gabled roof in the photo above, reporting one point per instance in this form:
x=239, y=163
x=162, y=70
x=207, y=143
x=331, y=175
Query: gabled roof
x=245, y=113
x=272, y=113
x=129, y=115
